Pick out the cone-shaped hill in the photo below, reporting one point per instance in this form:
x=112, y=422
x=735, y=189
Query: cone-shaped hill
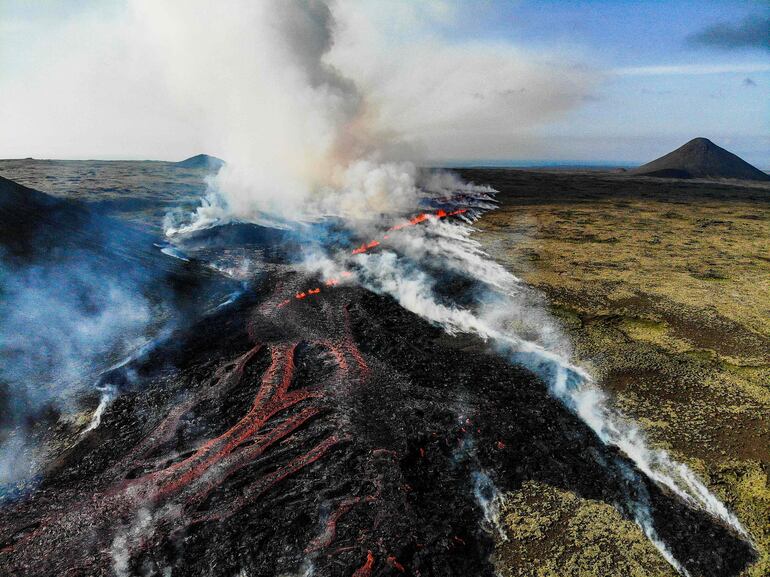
x=201, y=161
x=701, y=158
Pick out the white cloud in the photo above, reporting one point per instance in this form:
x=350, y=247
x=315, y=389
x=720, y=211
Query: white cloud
x=691, y=69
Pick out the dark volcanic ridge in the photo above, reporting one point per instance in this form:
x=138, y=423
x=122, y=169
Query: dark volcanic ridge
x=700, y=158
x=40, y=230
x=325, y=433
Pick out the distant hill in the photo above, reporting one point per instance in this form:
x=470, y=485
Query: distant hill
x=700, y=158
x=201, y=161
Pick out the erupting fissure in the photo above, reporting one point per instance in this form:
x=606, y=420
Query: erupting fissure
x=375, y=442
x=367, y=246
x=422, y=217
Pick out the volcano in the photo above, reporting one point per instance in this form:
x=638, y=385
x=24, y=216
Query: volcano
x=333, y=433
x=700, y=158
x=201, y=161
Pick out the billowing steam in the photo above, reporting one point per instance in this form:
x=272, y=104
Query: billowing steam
x=303, y=141
x=310, y=143
x=490, y=500
x=508, y=314
x=140, y=528
x=292, y=93
x=59, y=325
x=318, y=107
x=298, y=140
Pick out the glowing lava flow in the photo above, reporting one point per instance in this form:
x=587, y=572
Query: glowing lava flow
x=178, y=491
x=332, y=282
x=272, y=398
x=367, y=246
x=422, y=217
x=326, y=538
x=366, y=569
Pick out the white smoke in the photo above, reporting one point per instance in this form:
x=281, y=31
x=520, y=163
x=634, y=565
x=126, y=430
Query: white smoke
x=457, y=100
x=292, y=128
x=128, y=539
x=59, y=325
x=642, y=515
x=317, y=107
x=108, y=393
x=307, y=569
x=491, y=501
x=312, y=135
x=513, y=318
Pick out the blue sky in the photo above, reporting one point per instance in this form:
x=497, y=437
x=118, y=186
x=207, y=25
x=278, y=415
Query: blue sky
x=618, y=32
x=668, y=71
x=718, y=92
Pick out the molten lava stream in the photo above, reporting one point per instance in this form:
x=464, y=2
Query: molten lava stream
x=271, y=398
x=224, y=455
x=190, y=482
x=174, y=492
x=225, y=380
x=367, y=246
x=366, y=569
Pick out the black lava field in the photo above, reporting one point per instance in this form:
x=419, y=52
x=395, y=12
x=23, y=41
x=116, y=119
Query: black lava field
x=335, y=434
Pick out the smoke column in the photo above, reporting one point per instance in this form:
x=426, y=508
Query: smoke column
x=297, y=134
x=320, y=111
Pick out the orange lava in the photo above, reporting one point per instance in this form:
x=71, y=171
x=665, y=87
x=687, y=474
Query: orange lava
x=366, y=246
x=393, y=562
x=366, y=569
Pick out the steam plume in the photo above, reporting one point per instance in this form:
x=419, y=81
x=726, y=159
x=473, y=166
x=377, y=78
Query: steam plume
x=59, y=325
x=318, y=107
x=512, y=317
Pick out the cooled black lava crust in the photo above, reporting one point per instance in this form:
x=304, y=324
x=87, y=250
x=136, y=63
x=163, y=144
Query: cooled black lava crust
x=341, y=432
x=338, y=432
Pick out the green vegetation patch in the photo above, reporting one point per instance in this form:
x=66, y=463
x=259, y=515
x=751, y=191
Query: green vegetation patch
x=553, y=533
x=673, y=317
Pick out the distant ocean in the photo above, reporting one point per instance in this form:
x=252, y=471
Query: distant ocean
x=537, y=164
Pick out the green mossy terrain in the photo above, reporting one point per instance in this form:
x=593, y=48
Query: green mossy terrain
x=666, y=296
x=553, y=533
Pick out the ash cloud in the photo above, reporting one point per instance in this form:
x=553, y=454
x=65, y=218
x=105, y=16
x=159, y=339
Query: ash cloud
x=751, y=33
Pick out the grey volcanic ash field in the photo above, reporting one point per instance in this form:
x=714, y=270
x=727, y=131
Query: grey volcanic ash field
x=332, y=398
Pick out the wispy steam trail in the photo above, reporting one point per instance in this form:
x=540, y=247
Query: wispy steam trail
x=490, y=500
x=60, y=324
x=512, y=317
